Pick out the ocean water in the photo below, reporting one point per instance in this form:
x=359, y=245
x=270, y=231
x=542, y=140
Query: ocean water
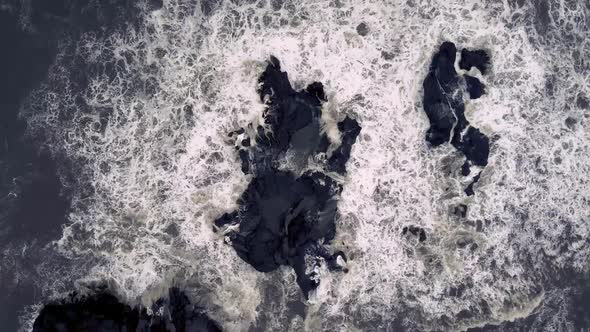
x=136, y=117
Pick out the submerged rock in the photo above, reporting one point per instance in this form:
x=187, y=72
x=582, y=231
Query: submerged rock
x=443, y=104
x=286, y=215
x=104, y=312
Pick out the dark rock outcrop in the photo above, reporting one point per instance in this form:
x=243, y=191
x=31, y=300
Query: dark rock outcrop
x=103, y=312
x=416, y=231
x=286, y=215
x=475, y=88
x=443, y=104
x=475, y=58
x=362, y=29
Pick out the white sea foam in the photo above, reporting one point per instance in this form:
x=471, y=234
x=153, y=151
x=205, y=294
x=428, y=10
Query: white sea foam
x=184, y=80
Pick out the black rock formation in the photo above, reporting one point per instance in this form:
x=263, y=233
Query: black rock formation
x=103, y=312
x=362, y=29
x=443, y=104
x=475, y=88
x=286, y=215
x=476, y=58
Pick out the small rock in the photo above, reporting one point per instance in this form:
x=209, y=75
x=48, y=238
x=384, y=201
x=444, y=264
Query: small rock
x=387, y=55
x=103, y=311
x=570, y=122
x=172, y=230
x=476, y=58
x=460, y=210
x=362, y=29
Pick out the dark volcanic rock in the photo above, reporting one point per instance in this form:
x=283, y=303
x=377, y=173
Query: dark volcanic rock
x=362, y=29
x=104, y=312
x=349, y=130
x=286, y=215
x=439, y=101
x=33, y=202
x=443, y=104
x=476, y=58
x=475, y=88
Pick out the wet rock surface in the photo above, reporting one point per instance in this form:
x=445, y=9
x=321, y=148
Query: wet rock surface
x=445, y=108
x=474, y=58
x=103, y=311
x=287, y=213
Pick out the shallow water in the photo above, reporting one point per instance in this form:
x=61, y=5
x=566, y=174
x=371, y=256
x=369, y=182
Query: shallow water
x=140, y=114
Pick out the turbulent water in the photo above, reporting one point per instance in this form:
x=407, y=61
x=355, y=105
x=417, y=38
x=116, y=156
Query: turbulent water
x=136, y=118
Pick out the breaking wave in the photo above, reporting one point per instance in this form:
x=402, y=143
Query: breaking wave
x=147, y=130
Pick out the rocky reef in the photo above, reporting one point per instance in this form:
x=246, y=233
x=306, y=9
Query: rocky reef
x=102, y=311
x=444, y=105
x=287, y=214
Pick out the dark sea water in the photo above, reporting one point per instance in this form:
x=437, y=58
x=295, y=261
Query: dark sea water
x=32, y=206
x=125, y=127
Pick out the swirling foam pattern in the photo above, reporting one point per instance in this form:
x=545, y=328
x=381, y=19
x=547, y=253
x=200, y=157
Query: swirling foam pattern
x=148, y=133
